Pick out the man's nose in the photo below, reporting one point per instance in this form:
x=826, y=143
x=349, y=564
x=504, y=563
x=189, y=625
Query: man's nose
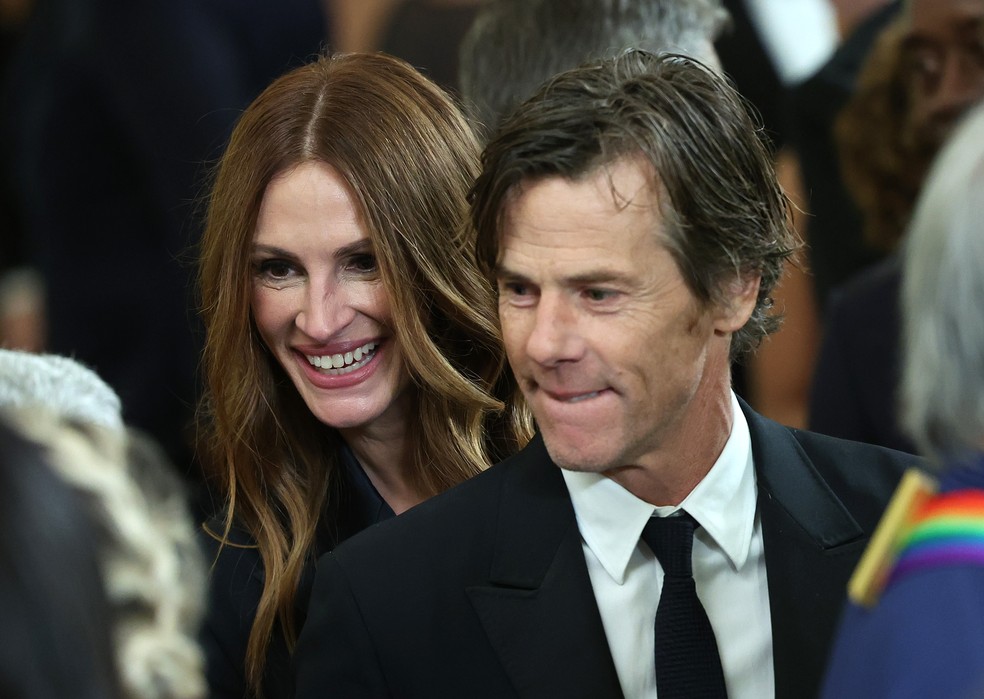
x=555, y=335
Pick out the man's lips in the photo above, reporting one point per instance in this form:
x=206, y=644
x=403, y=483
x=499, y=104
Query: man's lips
x=575, y=396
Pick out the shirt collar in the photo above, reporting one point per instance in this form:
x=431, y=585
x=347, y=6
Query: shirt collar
x=611, y=519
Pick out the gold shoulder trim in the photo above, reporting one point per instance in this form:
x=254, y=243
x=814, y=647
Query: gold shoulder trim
x=871, y=574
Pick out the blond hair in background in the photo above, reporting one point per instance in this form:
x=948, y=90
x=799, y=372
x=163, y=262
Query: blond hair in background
x=151, y=565
x=150, y=562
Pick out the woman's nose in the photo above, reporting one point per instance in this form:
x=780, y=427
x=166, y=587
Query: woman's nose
x=325, y=311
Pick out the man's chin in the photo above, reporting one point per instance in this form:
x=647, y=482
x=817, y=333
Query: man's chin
x=583, y=460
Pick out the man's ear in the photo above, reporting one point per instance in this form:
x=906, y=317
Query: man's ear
x=742, y=294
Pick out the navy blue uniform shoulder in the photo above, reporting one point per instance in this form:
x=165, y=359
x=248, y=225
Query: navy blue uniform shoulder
x=922, y=635
x=923, y=639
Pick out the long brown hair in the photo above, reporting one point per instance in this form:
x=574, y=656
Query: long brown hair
x=409, y=158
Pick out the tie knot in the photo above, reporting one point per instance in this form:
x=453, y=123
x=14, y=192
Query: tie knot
x=672, y=540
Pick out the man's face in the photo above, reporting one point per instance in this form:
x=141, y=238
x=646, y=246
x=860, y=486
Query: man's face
x=610, y=347
x=944, y=61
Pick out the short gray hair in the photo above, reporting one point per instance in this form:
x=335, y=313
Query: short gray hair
x=513, y=46
x=60, y=385
x=942, y=291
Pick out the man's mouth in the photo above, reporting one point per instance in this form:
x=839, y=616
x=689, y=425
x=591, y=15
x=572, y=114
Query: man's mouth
x=571, y=396
x=581, y=397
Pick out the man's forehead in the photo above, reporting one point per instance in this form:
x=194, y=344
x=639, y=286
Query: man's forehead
x=629, y=180
x=929, y=16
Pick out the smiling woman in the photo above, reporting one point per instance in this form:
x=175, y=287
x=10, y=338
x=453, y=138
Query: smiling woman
x=317, y=302
x=353, y=364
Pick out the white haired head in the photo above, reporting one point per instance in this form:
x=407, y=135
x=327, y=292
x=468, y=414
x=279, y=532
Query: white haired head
x=61, y=385
x=943, y=288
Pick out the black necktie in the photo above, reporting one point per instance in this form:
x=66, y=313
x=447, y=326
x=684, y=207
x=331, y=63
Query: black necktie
x=687, y=662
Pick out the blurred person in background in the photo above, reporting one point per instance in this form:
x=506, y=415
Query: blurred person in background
x=111, y=109
x=836, y=248
x=926, y=71
x=353, y=363
x=124, y=524
x=22, y=324
x=771, y=48
x=425, y=33
x=914, y=628
x=514, y=46
x=61, y=383
x=99, y=548
x=56, y=640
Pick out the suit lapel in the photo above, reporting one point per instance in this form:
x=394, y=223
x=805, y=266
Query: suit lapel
x=811, y=546
x=539, y=610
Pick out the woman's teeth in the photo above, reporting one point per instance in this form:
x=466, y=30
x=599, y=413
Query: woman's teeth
x=335, y=364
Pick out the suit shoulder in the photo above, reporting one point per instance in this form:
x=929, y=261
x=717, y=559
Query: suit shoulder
x=861, y=476
x=463, y=518
x=857, y=461
x=468, y=506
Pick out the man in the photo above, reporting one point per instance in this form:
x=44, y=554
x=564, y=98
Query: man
x=515, y=45
x=631, y=219
x=945, y=53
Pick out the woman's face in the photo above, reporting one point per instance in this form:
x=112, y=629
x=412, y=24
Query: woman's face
x=320, y=305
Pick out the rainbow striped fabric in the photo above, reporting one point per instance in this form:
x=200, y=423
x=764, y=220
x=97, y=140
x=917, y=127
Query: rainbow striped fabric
x=947, y=530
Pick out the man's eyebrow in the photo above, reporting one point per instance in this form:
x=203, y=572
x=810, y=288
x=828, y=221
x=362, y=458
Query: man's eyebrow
x=913, y=40
x=504, y=273
x=964, y=25
x=970, y=25
x=600, y=276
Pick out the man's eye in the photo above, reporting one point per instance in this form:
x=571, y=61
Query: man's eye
x=973, y=49
x=513, y=288
x=924, y=68
x=598, y=294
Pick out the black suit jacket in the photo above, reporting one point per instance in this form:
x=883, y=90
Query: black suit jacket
x=484, y=592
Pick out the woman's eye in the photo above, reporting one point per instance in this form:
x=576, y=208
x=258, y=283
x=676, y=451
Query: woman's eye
x=274, y=269
x=365, y=262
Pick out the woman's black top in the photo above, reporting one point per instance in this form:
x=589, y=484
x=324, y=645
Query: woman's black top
x=236, y=582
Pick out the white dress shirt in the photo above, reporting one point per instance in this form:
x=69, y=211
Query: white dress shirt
x=728, y=564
